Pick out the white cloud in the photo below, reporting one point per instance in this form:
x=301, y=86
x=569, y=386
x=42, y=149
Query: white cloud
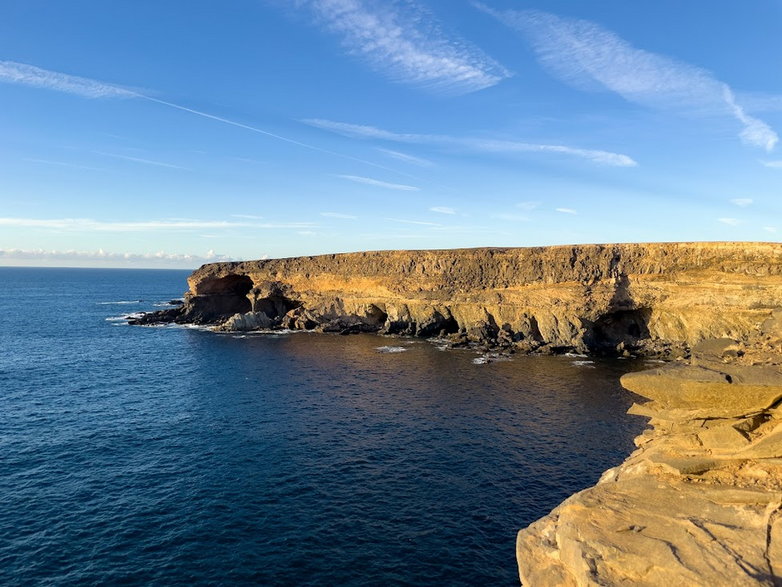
x=512, y=217
x=380, y=184
x=773, y=164
x=29, y=75
x=741, y=202
x=729, y=221
x=528, y=205
x=400, y=40
x=338, y=215
x=43, y=257
x=406, y=158
x=590, y=57
x=89, y=225
x=566, y=210
x=416, y=222
x=470, y=144
x=772, y=229
x=442, y=210
x=247, y=216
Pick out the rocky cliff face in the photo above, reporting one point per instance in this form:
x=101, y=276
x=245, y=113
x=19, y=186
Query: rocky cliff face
x=593, y=298
x=700, y=501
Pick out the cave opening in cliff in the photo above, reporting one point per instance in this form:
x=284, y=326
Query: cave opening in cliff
x=623, y=328
x=228, y=295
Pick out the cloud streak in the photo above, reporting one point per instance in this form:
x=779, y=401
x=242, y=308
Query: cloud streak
x=380, y=184
x=590, y=57
x=401, y=41
x=470, y=144
x=29, y=75
x=404, y=157
x=339, y=215
x=443, y=210
x=89, y=225
x=140, y=160
x=101, y=257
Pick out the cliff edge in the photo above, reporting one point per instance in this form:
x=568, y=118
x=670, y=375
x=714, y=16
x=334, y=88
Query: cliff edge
x=700, y=500
x=655, y=298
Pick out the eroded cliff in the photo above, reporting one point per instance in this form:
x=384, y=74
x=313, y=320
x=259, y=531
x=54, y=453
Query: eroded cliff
x=590, y=298
x=700, y=501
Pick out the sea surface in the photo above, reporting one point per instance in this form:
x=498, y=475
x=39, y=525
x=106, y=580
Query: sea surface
x=178, y=456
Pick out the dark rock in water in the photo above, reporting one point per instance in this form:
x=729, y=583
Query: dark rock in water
x=152, y=318
x=176, y=302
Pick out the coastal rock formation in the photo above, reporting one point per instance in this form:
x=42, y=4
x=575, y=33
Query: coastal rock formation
x=648, y=298
x=700, y=501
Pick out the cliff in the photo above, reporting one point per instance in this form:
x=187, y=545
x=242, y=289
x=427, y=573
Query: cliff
x=700, y=501
x=653, y=298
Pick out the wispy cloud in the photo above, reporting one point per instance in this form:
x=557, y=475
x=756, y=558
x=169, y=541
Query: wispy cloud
x=590, y=57
x=512, y=217
x=773, y=164
x=741, y=202
x=90, y=225
x=247, y=216
x=566, y=210
x=530, y=205
x=470, y=144
x=380, y=184
x=406, y=158
x=140, y=160
x=61, y=164
x=415, y=222
x=729, y=221
x=29, y=75
x=402, y=41
x=106, y=258
x=338, y=215
x=442, y=210
x=772, y=229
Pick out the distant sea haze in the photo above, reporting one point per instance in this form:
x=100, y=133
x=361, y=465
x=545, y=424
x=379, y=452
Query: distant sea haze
x=176, y=455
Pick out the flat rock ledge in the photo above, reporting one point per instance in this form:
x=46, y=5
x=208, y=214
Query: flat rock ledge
x=700, y=500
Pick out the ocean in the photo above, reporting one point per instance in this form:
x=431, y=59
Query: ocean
x=174, y=455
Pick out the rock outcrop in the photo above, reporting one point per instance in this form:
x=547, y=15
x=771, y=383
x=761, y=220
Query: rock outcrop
x=591, y=298
x=700, y=501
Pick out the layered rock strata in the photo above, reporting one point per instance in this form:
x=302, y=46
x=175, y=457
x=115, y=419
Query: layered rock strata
x=590, y=298
x=700, y=500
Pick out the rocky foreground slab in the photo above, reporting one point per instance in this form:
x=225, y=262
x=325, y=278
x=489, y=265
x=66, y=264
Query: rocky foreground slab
x=700, y=500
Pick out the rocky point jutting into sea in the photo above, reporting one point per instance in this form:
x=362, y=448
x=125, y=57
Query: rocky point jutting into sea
x=700, y=501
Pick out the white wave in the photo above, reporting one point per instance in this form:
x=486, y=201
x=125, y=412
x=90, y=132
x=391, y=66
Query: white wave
x=589, y=364
x=125, y=317
x=119, y=302
x=481, y=361
x=575, y=355
x=390, y=349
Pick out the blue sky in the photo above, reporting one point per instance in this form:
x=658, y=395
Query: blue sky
x=168, y=134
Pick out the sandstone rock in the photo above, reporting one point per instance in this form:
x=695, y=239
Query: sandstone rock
x=649, y=298
x=246, y=322
x=698, y=503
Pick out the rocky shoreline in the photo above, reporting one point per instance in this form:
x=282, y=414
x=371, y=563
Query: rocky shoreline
x=700, y=500
x=653, y=300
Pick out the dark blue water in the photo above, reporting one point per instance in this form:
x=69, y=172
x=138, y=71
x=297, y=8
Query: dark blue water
x=176, y=456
